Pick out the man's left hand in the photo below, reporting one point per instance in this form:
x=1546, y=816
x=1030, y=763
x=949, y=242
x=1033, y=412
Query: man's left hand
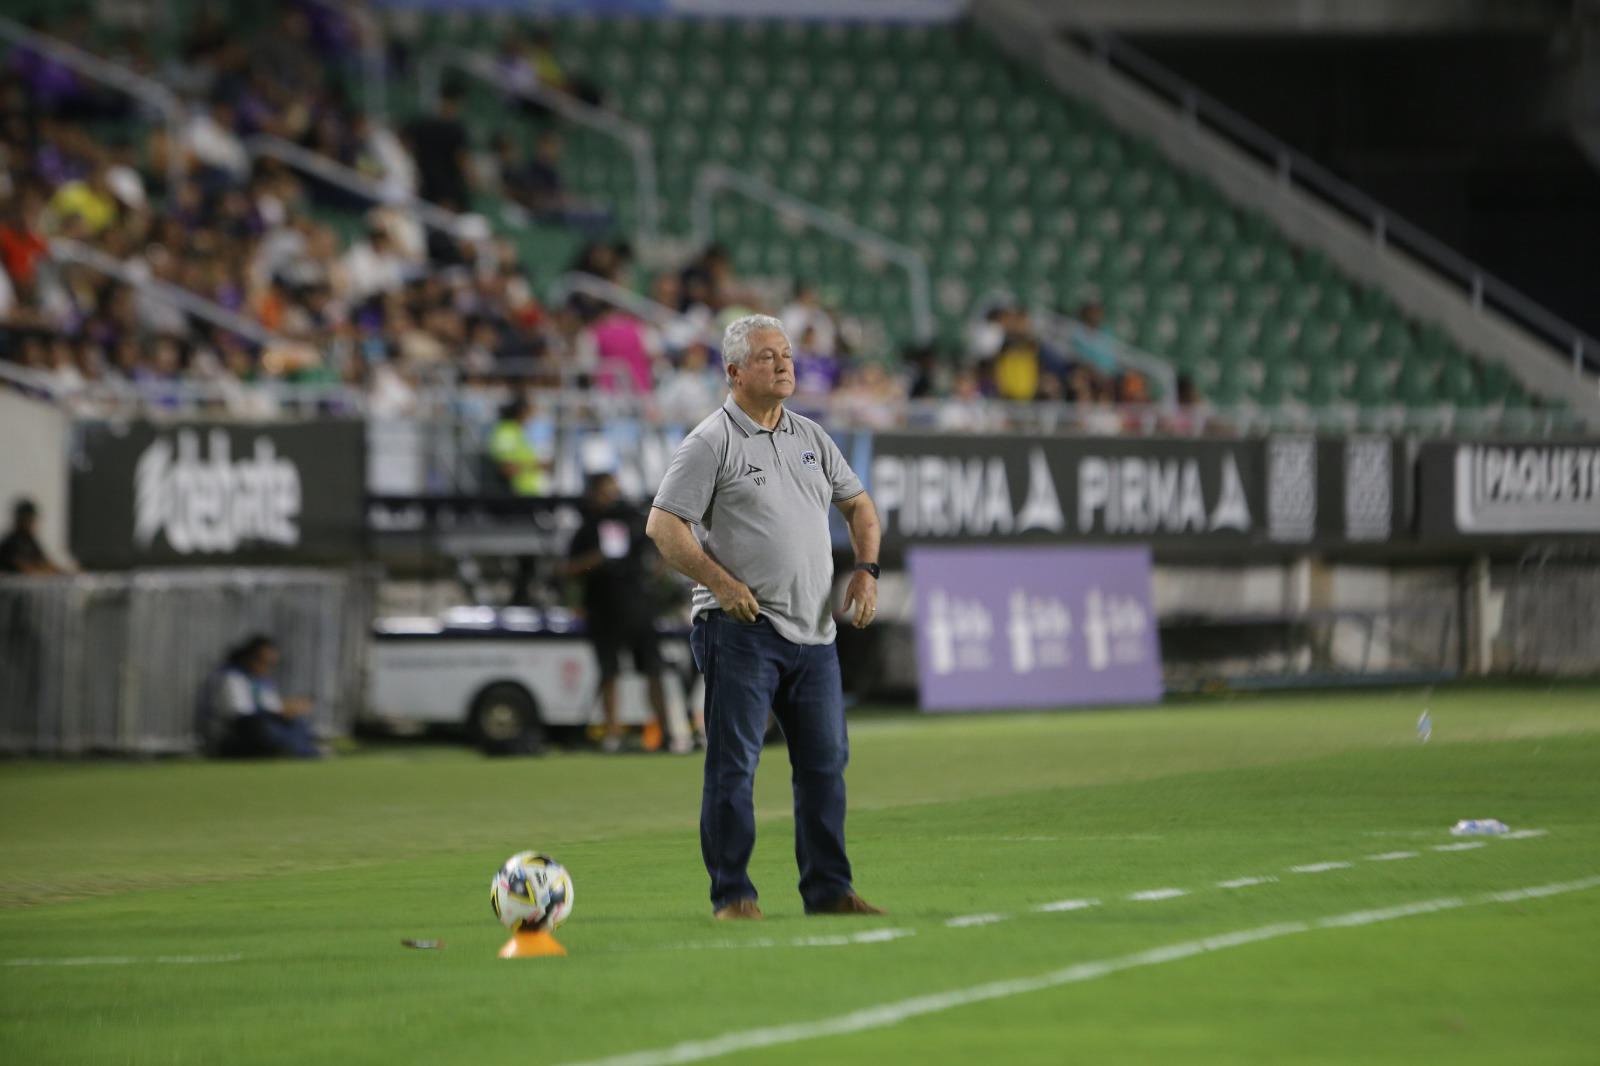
x=861, y=599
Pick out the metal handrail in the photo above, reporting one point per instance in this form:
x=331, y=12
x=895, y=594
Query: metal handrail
x=570, y=403
x=138, y=86
x=623, y=297
x=635, y=138
x=1386, y=227
x=349, y=179
x=714, y=177
x=70, y=251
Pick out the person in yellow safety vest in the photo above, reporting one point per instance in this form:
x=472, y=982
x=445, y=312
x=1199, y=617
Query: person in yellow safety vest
x=513, y=456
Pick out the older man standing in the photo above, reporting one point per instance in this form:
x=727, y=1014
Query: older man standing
x=758, y=481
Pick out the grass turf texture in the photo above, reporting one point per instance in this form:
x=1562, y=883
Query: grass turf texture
x=313, y=874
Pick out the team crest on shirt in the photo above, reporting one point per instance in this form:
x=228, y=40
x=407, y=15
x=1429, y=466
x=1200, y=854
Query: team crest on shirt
x=808, y=458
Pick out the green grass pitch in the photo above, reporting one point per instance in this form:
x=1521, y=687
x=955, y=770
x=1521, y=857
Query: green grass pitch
x=278, y=895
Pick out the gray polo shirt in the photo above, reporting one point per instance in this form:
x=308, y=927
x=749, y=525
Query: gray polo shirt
x=760, y=500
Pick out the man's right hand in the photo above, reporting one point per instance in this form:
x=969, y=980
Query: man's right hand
x=738, y=601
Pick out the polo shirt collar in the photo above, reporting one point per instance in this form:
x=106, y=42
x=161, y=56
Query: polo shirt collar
x=749, y=426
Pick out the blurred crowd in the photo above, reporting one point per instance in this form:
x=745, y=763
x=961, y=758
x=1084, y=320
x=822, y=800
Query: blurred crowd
x=233, y=270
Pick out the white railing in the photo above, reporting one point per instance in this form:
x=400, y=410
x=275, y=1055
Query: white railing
x=349, y=179
x=69, y=251
x=1386, y=228
x=643, y=307
x=158, y=96
x=633, y=137
x=713, y=178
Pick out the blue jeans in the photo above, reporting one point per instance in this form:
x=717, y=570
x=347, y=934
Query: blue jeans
x=750, y=669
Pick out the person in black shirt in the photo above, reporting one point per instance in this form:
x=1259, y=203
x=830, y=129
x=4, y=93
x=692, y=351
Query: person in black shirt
x=20, y=551
x=439, y=145
x=609, y=553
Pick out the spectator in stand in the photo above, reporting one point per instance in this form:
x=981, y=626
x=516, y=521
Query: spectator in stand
x=805, y=312
x=214, y=146
x=372, y=266
x=966, y=410
x=692, y=389
x=625, y=352
x=84, y=208
x=1019, y=365
x=520, y=467
x=1094, y=348
x=538, y=187
x=20, y=550
x=611, y=554
x=439, y=145
x=248, y=717
x=816, y=372
x=22, y=242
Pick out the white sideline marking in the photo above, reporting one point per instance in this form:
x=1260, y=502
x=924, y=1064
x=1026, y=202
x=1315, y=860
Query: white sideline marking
x=836, y=940
x=1150, y=895
x=1066, y=905
x=1465, y=845
x=1391, y=856
x=1527, y=834
x=1319, y=867
x=887, y=1014
x=966, y=920
x=125, y=960
x=1245, y=882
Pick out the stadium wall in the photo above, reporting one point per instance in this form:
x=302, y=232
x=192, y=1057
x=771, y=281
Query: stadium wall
x=122, y=664
x=33, y=440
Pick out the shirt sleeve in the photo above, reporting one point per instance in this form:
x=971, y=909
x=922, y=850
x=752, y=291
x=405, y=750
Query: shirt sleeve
x=840, y=476
x=236, y=696
x=690, y=482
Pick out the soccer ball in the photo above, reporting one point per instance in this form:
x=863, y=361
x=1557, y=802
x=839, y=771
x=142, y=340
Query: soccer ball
x=531, y=891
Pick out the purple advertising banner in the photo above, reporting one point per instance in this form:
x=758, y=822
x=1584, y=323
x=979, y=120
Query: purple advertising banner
x=1034, y=627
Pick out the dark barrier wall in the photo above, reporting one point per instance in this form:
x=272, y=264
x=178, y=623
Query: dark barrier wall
x=1477, y=489
x=1288, y=490
x=209, y=493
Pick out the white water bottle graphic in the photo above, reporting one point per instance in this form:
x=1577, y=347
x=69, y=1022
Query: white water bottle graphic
x=1019, y=632
x=941, y=638
x=1096, y=632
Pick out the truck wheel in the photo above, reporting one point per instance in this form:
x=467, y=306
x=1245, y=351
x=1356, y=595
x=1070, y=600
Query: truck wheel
x=505, y=721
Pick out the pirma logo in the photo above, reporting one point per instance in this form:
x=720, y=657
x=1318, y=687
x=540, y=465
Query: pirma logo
x=213, y=504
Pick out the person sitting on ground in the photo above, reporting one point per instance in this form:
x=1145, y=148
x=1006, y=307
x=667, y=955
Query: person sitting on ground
x=20, y=551
x=248, y=716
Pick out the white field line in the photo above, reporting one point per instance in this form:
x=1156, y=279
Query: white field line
x=1319, y=867
x=893, y=1013
x=125, y=960
x=1246, y=882
x=1066, y=905
x=968, y=920
x=1151, y=895
x=1465, y=845
x=1527, y=834
x=1391, y=856
x=836, y=940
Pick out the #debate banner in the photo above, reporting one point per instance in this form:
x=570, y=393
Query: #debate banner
x=1000, y=628
x=217, y=493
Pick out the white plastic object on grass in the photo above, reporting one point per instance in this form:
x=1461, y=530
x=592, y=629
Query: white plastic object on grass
x=1479, y=827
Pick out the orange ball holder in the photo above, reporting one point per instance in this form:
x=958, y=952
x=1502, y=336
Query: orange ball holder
x=529, y=945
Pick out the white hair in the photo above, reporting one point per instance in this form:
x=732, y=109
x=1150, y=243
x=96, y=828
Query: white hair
x=736, y=338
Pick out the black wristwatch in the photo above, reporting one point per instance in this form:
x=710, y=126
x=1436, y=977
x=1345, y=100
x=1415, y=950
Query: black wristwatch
x=871, y=568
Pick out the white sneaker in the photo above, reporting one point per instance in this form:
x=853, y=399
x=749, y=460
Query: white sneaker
x=611, y=744
x=680, y=745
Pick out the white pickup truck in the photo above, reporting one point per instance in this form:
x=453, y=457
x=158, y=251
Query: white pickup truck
x=508, y=674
